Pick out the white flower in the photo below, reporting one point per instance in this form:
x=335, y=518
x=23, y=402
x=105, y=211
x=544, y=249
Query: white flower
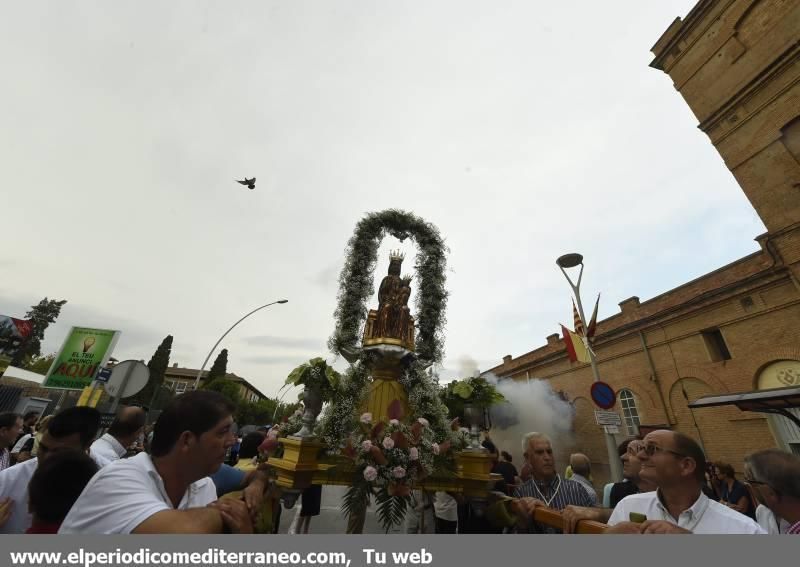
x=423, y=421
x=298, y=412
x=464, y=430
x=435, y=448
x=398, y=472
x=366, y=418
x=370, y=474
x=394, y=422
x=366, y=446
x=413, y=453
x=388, y=443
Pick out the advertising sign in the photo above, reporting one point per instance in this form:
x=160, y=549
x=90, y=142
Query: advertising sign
x=84, y=351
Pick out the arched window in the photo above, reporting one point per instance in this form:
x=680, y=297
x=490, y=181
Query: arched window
x=629, y=411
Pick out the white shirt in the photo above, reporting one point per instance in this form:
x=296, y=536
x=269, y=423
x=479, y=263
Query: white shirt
x=21, y=443
x=124, y=494
x=14, y=484
x=445, y=507
x=704, y=517
x=767, y=520
x=108, y=449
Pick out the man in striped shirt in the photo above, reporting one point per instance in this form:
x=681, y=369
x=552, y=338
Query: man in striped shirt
x=546, y=488
x=775, y=476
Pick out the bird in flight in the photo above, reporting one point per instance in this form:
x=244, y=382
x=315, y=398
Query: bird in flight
x=251, y=183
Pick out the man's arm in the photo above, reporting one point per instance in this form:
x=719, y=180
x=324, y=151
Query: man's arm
x=192, y=521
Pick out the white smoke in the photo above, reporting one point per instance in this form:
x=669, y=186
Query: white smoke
x=531, y=406
x=467, y=367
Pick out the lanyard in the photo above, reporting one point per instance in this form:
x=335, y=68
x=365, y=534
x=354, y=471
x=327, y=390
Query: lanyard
x=545, y=500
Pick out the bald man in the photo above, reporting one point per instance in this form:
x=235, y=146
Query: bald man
x=581, y=471
x=126, y=428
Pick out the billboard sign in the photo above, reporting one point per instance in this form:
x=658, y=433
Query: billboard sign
x=83, y=353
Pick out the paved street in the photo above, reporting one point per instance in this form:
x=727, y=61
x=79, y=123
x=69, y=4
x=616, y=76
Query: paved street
x=331, y=520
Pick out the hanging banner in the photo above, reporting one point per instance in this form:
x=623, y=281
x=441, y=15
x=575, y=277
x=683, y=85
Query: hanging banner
x=84, y=352
x=13, y=333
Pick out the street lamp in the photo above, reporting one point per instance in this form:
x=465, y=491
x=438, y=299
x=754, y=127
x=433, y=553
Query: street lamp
x=200, y=373
x=571, y=261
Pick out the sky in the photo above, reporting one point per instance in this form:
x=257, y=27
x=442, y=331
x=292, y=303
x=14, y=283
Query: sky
x=522, y=130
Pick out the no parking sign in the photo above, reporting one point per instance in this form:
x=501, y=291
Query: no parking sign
x=603, y=395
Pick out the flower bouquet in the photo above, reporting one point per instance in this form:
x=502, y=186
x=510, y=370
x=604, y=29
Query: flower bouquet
x=391, y=459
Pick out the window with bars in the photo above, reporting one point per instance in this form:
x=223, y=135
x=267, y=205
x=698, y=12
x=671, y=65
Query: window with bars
x=629, y=411
x=180, y=387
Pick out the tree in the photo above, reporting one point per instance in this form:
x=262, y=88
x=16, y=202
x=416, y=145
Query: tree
x=40, y=315
x=227, y=388
x=40, y=364
x=158, y=366
x=219, y=368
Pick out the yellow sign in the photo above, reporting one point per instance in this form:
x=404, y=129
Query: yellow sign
x=95, y=397
x=781, y=374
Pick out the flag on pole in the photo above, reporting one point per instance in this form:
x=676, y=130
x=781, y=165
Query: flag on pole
x=576, y=349
x=592, y=328
x=578, y=323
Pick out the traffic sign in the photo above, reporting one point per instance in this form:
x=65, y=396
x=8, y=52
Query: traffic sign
x=607, y=418
x=603, y=395
x=103, y=375
x=127, y=379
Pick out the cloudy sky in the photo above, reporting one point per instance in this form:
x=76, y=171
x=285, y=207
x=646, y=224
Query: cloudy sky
x=522, y=129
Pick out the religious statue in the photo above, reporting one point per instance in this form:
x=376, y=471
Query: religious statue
x=392, y=322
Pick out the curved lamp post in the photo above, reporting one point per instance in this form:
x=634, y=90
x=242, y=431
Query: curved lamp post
x=571, y=261
x=225, y=334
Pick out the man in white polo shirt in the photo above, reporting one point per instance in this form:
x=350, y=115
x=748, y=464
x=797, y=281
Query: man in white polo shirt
x=128, y=424
x=72, y=429
x=676, y=464
x=168, y=492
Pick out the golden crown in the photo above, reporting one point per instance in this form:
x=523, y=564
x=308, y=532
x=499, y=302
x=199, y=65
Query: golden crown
x=396, y=255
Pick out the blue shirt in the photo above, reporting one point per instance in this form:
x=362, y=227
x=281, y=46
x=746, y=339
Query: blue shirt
x=227, y=479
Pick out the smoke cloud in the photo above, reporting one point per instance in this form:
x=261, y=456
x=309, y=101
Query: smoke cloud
x=531, y=406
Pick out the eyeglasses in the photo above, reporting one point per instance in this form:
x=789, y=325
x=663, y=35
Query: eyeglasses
x=634, y=448
x=651, y=450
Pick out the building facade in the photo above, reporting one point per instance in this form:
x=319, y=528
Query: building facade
x=737, y=65
x=182, y=380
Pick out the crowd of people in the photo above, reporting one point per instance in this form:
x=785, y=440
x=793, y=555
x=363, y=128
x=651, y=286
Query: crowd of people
x=57, y=476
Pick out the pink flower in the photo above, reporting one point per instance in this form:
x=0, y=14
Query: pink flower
x=366, y=446
x=413, y=453
x=423, y=421
x=435, y=448
x=394, y=422
x=370, y=474
x=398, y=472
x=388, y=443
x=366, y=418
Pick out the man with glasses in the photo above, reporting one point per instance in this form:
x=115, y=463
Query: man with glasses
x=676, y=464
x=775, y=476
x=632, y=484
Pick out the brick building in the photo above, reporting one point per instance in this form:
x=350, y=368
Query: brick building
x=181, y=380
x=737, y=65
